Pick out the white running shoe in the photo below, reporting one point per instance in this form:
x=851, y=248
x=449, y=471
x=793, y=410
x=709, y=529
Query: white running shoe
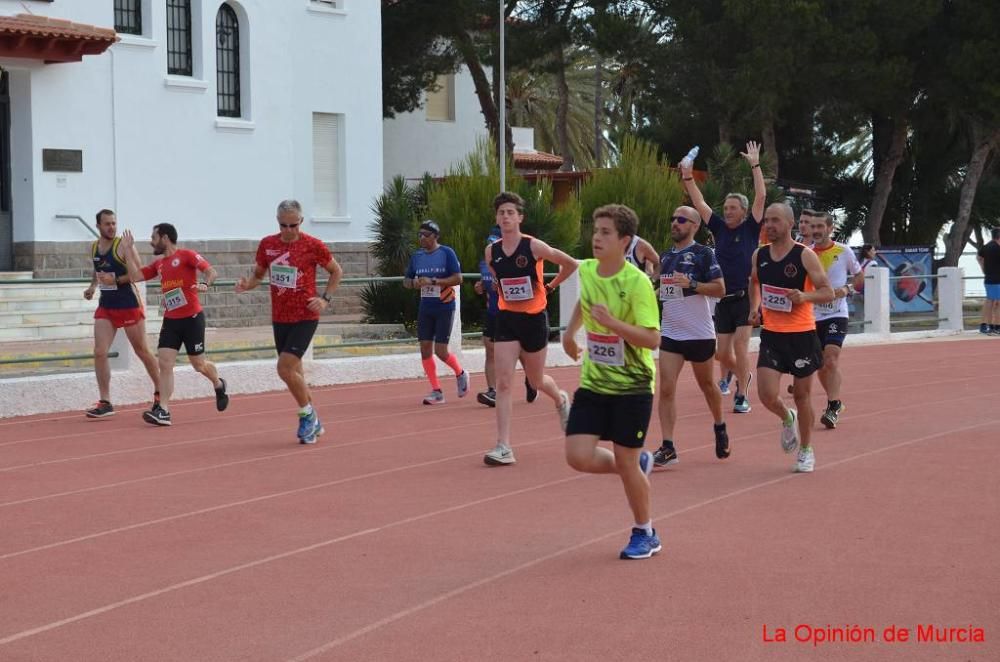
x=500, y=455
x=463, y=384
x=563, y=409
x=806, y=461
x=790, y=433
x=434, y=398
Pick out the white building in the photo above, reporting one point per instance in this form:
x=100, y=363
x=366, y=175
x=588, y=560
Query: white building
x=203, y=113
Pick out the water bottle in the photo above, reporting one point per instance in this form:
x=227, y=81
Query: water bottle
x=688, y=160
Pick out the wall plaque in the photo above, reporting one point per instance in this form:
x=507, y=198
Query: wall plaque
x=62, y=160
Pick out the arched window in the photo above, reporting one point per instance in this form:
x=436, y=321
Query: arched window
x=180, y=61
x=227, y=61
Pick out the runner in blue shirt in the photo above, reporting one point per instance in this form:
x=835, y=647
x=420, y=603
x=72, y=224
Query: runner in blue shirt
x=435, y=271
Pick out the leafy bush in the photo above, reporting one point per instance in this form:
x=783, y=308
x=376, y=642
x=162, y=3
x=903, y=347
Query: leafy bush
x=640, y=180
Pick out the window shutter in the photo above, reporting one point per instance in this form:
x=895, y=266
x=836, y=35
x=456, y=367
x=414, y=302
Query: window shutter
x=326, y=164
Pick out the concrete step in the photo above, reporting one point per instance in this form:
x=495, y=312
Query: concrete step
x=44, y=317
x=15, y=275
x=25, y=303
x=46, y=332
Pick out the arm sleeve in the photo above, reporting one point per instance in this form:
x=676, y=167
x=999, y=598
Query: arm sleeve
x=261, y=258
x=715, y=223
x=199, y=262
x=323, y=254
x=710, y=264
x=452, y=264
x=647, y=313
x=149, y=271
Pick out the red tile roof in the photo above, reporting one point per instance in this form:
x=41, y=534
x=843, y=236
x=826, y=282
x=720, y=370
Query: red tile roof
x=537, y=161
x=51, y=39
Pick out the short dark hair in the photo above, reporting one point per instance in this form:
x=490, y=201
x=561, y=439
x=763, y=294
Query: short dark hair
x=166, y=230
x=102, y=213
x=866, y=249
x=625, y=219
x=996, y=233
x=512, y=198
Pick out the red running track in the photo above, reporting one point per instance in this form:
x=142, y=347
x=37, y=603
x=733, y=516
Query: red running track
x=222, y=539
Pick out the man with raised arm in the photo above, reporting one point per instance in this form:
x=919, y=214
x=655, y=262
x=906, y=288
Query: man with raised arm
x=736, y=234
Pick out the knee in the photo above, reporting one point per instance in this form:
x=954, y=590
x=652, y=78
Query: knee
x=441, y=351
x=503, y=382
x=576, y=460
x=287, y=371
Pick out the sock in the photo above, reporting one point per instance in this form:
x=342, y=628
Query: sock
x=833, y=404
x=452, y=362
x=307, y=410
x=647, y=527
x=667, y=444
x=432, y=373
x=220, y=386
x=720, y=427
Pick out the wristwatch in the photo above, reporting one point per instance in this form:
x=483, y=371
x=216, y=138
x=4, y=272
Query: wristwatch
x=325, y=297
x=434, y=281
x=694, y=285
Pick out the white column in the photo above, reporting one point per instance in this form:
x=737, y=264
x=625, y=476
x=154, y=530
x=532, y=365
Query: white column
x=876, y=300
x=455, y=341
x=121, y=344
x=951, y=292
x=569, y=294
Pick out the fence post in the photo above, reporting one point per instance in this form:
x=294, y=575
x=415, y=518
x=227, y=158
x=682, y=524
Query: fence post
x=569, y=294
x=120, y=343
x=951, y=291
x=876, y=300
x=455, y=341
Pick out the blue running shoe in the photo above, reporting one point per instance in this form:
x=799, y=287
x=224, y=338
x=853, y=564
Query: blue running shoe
x=725, y=383
x=646, y=462
x=308, y=424
x=641, y=546
x=319, y=430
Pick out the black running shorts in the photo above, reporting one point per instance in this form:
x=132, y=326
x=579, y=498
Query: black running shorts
x=294, y=337
x=798, y=354
x=529, y=329
x=695, y=351
x=832, y=331
x=622, y=419
x=730, y=314
x=187, y=331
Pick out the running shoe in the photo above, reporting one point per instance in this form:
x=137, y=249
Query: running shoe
x=487, y=397
x=665, y=455
x=563, y=409
x=318, y=430
x=530, y=393
x=722, y=450
x=646, y=462
x=832, y=415
x=790, y=432
x=806, y=461
x=984, y=329
x=102, y=409
x=463, y=384
x=724, y=383
x=500, y=455
x=157, y=415
x=741, y=405
x=221, y=398
x=641, y=545
x=434, y=398
x=308, y=425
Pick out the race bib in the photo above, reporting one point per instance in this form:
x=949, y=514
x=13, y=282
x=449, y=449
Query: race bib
x=776, y=298
x=285, y=276
x=516, y=289
x=826, y=307
x=174, y=299
x=669, y=289
x=430, y=292
x=606, y=350
x=104, y=285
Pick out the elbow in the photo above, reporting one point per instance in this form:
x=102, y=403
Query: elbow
x=652, y=339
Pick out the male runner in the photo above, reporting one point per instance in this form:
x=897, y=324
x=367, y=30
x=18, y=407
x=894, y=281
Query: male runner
x=844, y=272
x=291, y=258
x=689, y=278
x=642, y=254
x=516, y=263
x=736, y=235
x=615, y=399
x=183, y=318
x=119, y=308
x=436, y=271
x=787, y=279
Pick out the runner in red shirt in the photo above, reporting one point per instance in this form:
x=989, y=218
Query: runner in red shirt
x=291, y=258
x=183, y=319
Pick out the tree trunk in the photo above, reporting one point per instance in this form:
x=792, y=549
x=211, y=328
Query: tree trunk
x=598, y=111
x=887, y=158
x=769, y=144
x=562, y=111
x=725, y=131
x=960, y=231
x=487, y=105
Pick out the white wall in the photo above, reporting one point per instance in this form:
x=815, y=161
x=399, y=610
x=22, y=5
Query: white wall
x=153, y=147
x=412, y=145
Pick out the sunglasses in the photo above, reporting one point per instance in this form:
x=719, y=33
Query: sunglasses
x=681, y=220
x=290, y=225
x=425, y=234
